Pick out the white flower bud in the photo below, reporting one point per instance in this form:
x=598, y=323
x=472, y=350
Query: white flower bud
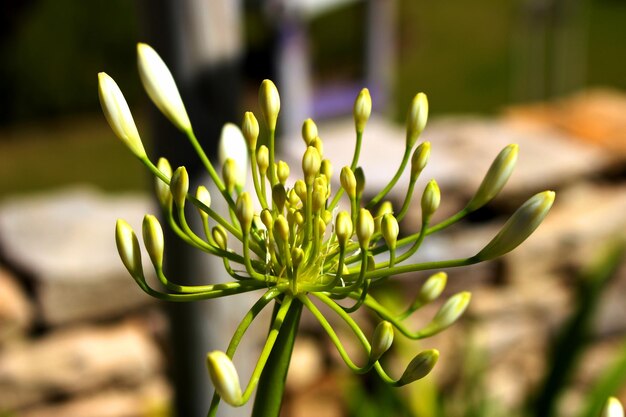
x=362, y=109
x=179, y=186
x=416, y=119
x=153, y=240
x=118, y=114
x=269, y=101
x=496, y=177
x=311, y=163
x=263, y=159
x=612, y=408
x=250, y=130
x=128, y=248
x=309, y=131
x=224, y=377
x=519, y=226
x=159, y=83
x=163, y=192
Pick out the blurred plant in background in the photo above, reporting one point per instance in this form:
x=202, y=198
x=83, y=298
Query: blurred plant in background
x=301, y=246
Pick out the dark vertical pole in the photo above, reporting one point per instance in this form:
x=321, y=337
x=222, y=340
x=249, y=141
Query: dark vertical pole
x=211, y=93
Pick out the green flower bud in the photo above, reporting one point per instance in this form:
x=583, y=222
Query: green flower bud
x=420, y=366
x=179, y=186
x=360, y=181
x=430, y=199
x=416, y=119
x=158, y=82
x=311, y=162
x=382, y=340
x=269, y=101
x=297, y=255
x=419, y=159
x=390, y=229
x=321, y=226
x=245, y=212
x=519, y=226
x=326, y=169
x=224, y=377
x=449, y=313
x=220, y=237
x=203, y=195
x=263, y=159
x=364, y=227
x=293, y=198
x=300, y=188
x=432, y=288
x=362, y=110
x=281, y=228
x=229, y=173
x=279, y=196
x=266, y=218
x=128, y=248
x=343, y=227
x=319, y=197
x=250, y=130
x=497, y=175
x=162, y=189
x=612, y=408
x=153, y=240
x=385, y=207
x=282, y=171
x=348, y=181
x=118, y=114
x=309, y=131
x=327, y=216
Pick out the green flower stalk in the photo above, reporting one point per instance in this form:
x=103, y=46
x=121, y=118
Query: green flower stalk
x=299, y=248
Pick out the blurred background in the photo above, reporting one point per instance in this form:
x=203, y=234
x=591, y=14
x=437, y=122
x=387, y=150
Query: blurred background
x=545, y=334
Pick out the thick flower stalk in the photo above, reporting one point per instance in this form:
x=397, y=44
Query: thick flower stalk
x=301, y=247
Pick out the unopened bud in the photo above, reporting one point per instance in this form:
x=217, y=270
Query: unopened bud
x=448, y=314
x=311, y=162
x=432, y=288
x=220, y=237
x=118, y=114
x=229, y=173
x=203, y=195
x=362, y=110
x=263, y=159
x=430, y=199
x=419, y=159
x=153, y=240
x=224, y=377
x=309, y=131
x=269, y=101
x=326, y=169
x=416, y=119
x=266, y=218
x=281, y=228
x=250, y=130
x=343, y=227
x=232, y=145
x=300, y=188
x=279, y=196
x=420, y=366
x=297, y=255
x=382, y=340
x=348, y=181
x=389, y=227
x=162, y=189
x=364, y=227
x=318, y=144
x=245, y=211
x=496, y=177
x=128, y=248
x=385, y=207
x=612, y=408
x=179, y=186
x=319, y=198
x=282, y=171
x=519, y=226
x=360, y=181
x=158, y=82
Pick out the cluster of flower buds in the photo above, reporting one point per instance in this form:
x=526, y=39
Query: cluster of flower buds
x=300, y=245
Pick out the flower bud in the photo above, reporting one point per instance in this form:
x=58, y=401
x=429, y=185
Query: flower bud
x=297, y=255
x=496, y=177
x=319, y=197
x=449, y=313
x=263, y=159
x=343, y=227
x=232, y=145
x=300, y=188
x=389, y=227
x=432, y=288
x=416, y=119
x=282, y=171
x=360, y=181
x=348, y=181
x=279, y=196
x=293, y=198
x=224, y=377
x=420, y=366
x=250, y=130
x=382, y=340
x=385, y=207
x=179, y=186
x=311, y=162
x=220, y=237
x=364, y=227
x=281, y=228
x=362, y=110
x=153, y=240
x=128, y=248
x=266, y=218
x=419, y=159
x=612, y=408
x=318, y=144
x=309, y=131
x=203, y=195
x=519, y=226
x=430, y=199
x=118, y=114
x=269, y=101
x=229, y=173
x=244, y=211
x=162, y=189
x=158, y=82
x=326, y=169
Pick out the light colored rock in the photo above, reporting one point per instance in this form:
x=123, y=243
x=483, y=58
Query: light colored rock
x=150, y=399
x=65, y=241
x=75, y=361
x=16, y=312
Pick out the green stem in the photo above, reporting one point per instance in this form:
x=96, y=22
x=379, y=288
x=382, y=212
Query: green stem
x=269, y=396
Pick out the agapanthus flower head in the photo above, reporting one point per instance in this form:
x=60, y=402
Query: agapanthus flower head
x=302, y=241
